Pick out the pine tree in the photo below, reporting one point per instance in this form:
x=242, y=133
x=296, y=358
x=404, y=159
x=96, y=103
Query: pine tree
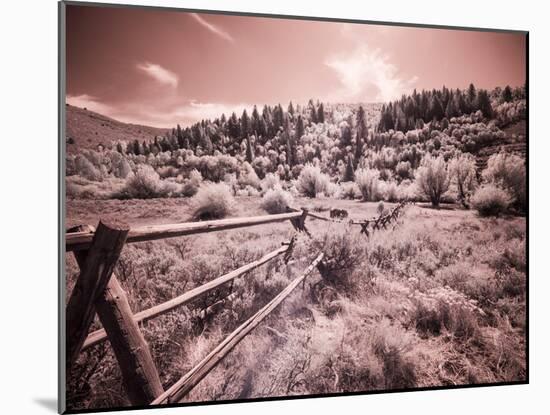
x=484, y=103
x=291, y=108
x=299, y=129
x=249, y=151
x=245, y=124
x=321, y=113
x=362, y=133
x=506, y=94
x=136, y=149
x=349, y=173
x=119, y=148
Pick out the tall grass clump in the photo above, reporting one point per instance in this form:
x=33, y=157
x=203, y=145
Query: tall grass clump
x=311, y=181
x=276, y=200
x=191, y=185
x=144, y=184
x=508, y=171
x=212, y=201
x=432, y=179
x=489, y=200
x=367, y=181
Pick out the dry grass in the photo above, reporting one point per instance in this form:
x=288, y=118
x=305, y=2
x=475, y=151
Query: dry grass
x=438, y=300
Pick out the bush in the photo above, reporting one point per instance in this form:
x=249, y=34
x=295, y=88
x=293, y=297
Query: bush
x=508, y=172
x=349, y=190
x=212, y=201
x=490, y=200
x=86, y=169
x=145, y=184
x=368, y=183
x=432, y=179
x=276, y=200
x=270, y=181
x=191, y=186
x=344, y=252
x=463, y=174
x=311, y=181
x=248, y=177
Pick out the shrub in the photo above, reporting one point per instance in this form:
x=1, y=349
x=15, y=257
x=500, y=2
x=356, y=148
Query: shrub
x=368, y=183
x=432, y=179
x=248, y=177
x=191, y=186
x=490, y=200
x=212, y=201
x=311, y=181
x=349, y=190
x=343, y=251
x=144, y=184
x=86, y=169
x=462, y=170
x=269, y=182
x=508, y=172
x=276, y=200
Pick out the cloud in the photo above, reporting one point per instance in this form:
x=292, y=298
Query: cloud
x=213, y=28
x=367, y=75
x=89, y=102
x=165, y=113
x=159, y=74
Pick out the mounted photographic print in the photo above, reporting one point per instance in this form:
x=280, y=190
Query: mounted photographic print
x=260, y=207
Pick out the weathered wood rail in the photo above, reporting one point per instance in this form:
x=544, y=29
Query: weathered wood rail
x=97, y=290
x=82, y=240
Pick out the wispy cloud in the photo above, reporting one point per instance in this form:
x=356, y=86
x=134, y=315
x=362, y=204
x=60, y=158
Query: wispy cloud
x=89, y=102
x=213, y=28
x=367, y=75
x=165, y=113
x=159, y=74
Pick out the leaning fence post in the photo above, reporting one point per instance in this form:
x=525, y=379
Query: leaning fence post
x=95, y=272
x=139, y=373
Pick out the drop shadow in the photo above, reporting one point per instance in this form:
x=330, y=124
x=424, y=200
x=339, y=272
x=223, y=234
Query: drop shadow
x=48, y=403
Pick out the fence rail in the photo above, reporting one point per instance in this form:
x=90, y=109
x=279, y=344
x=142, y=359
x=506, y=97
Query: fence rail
x=82, y=240
x=99, y=335
x=97, y=290
x=183, y=386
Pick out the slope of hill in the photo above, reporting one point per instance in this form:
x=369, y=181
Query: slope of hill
x=88, y=129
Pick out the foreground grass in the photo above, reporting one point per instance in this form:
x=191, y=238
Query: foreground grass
x=439, y=300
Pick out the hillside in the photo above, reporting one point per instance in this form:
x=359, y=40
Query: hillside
x=88, y=129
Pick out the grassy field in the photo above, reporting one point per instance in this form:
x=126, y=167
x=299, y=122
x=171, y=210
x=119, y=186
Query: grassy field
x=439, y=299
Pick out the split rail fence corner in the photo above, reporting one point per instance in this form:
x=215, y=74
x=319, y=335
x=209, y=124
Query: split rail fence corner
x=97, y=290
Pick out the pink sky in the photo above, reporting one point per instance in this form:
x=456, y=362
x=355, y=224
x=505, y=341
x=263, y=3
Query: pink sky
x=163, y=67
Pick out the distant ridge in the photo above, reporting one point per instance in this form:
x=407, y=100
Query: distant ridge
x=88, y=129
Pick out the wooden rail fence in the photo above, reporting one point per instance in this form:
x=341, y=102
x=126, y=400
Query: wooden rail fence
x=97, y=290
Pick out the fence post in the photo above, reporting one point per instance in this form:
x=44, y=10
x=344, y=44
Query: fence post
x=95, y=272
x=139, y=373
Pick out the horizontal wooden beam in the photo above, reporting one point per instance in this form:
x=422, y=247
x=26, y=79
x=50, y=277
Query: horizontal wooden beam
x=183, y=386
x=82, y=240
x=99, y=335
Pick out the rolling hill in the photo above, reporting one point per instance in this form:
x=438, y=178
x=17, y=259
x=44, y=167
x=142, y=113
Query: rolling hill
x=88, y=129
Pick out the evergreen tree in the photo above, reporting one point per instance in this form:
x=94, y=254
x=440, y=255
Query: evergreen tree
x=299, y=129
x=245, y=124
x=119, y=148
x=136, y=149
x=249, y=150
x=362, y=133
x=484, y=103
x=506, y=94
x=321, y=113
x=349, y=173
x=291, y=108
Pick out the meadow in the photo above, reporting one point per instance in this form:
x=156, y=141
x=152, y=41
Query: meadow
x=437, y=300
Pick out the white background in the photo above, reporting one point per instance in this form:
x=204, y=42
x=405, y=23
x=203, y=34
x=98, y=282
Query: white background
x=28, y=163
